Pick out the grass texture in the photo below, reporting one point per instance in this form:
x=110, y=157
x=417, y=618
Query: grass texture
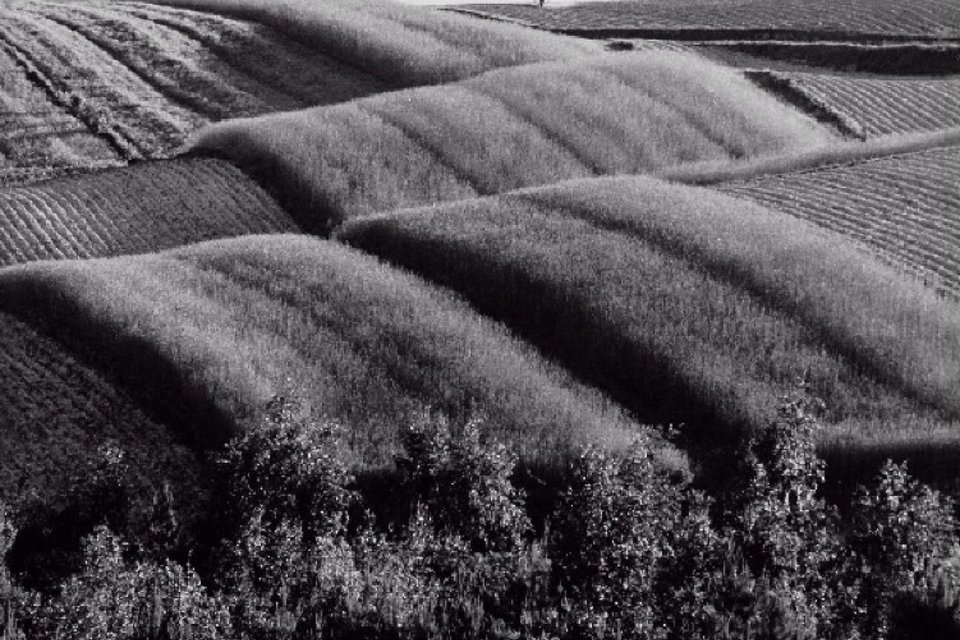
x=220, y=327
x=691, y=306
x=144, y=207
x=508, y=129
x=406, y=46
x=56, y=410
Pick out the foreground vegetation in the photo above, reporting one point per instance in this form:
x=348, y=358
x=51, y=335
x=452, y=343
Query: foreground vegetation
x=630, y=551
x=689, y=306
x=536, y=124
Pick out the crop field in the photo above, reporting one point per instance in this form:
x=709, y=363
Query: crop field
x=689, y=317
x=618, y=113
x=55, y=411
x=906, y=207
x=222, y=326
x=878, y=106
x=136, y=209
x=851, y=20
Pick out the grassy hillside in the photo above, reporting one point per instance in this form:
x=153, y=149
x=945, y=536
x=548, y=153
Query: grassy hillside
x=511, y=128
x=144, y=207
x=688, y=305
x=404, y=45
x=220, y=327
x=905, y=206
x=56, y=410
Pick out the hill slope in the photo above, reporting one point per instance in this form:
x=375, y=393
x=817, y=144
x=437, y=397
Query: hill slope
x=690, y=306
x=510, y=128
x=219, y=327
x=144, y=207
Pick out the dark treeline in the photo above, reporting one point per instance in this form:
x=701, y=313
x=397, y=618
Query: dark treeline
x=287, y=547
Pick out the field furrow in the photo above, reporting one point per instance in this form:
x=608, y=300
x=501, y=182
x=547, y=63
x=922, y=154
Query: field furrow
x=133, y=210
x=906, y=206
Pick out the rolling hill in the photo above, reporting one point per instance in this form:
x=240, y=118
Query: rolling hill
x=687, y=305
x=205, y=335
x=511, y=128
x=136, y=209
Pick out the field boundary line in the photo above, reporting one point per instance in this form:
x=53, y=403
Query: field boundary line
x=70, y=102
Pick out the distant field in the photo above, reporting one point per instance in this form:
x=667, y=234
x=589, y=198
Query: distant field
x=219, y=327
x=703, y=19
x=689, y=306
x=612, y=114
x=879, y=106
x=141, y=208
x=55, y=411
x=906, y=206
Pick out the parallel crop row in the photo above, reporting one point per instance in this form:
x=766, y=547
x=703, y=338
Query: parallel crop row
x=882, y=106
x=907, y=207
x=135, y=209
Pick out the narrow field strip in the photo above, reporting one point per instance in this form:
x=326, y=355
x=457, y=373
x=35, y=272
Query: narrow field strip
x=222, y=326
x=266, y=54
x=55, y=411
x=136, y=209
x=510, y=128
x=851, y=20
x=905, y=206
x=688, y=306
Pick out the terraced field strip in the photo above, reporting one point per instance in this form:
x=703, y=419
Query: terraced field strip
x=266, y=54
x=144, y=207
x=222, y=326
x=905, y=207
x=509, y=128
x=55, y=411
x=689, y=306
x=850, y=20
x=177, y=66
x=35, y=131
x=106, y=95
x=881, y=106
